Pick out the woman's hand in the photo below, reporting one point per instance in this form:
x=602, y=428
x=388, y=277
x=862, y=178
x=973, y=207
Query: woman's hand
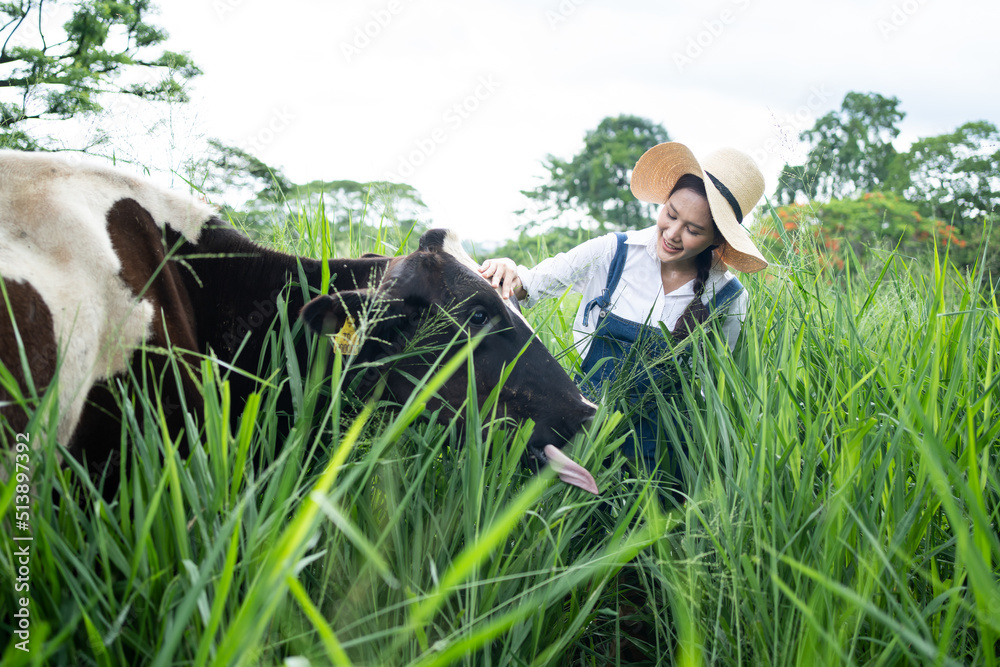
x=502, y=274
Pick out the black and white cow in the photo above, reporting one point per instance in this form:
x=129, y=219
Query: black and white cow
x=98, y=264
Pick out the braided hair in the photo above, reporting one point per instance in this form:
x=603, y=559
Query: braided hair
x=696, y=311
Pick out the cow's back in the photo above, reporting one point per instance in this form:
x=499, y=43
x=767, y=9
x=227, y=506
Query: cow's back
x=79, y=250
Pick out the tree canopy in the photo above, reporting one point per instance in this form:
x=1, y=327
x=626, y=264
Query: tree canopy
x=862, y=190
x=260, y=195
x=956, y=176
x=953, y=176
x=850, y=150
x=828, y=233
x=103, y=48
x=596, y=180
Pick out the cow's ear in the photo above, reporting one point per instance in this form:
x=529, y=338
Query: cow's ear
x=328, y=314
x=447, y=242
x=434, y=240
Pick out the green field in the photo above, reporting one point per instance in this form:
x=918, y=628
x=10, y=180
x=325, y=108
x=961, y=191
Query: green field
x=840, y=506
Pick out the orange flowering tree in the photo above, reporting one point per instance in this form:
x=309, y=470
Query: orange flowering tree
x=825, y=234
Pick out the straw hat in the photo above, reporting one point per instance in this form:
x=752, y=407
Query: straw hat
x=733, y=183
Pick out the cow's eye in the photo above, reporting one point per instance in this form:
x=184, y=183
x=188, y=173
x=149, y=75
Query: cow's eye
x=479, y=317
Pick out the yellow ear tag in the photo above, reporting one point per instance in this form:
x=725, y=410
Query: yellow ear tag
x=347, y=339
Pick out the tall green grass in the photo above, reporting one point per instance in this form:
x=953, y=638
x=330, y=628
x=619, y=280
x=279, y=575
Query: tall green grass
x=839, y=506
x=843, y=477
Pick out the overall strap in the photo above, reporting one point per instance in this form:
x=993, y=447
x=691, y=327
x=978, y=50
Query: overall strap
x=725, y=296
x=614, y=275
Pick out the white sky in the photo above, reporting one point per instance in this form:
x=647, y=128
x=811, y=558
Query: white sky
x=296, y=83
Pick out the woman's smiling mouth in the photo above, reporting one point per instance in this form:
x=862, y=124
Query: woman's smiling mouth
x=669, y=248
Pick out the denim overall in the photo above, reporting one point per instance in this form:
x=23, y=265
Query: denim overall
x=641, y=350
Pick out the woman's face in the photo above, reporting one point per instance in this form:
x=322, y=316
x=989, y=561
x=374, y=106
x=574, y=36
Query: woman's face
x=685, y=228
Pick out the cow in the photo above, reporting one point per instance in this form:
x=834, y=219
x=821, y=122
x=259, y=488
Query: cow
x=100, y=270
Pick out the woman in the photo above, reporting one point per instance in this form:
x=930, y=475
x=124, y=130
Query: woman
x=674, y=273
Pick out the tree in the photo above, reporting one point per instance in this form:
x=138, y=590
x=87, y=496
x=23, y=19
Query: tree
x=955, y=176
x=105, y=48
x=259, y=195
x=850, y=150
x=828, y=233
x=228, y=172
x=595, y=182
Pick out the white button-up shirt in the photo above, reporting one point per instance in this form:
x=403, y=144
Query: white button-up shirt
x=639, y=295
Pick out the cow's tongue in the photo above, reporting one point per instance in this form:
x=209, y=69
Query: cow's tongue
x=569, y=470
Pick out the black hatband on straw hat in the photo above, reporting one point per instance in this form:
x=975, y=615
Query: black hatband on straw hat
x=725, y=192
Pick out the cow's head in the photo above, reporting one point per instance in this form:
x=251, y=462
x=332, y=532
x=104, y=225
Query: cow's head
x=430, y=303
